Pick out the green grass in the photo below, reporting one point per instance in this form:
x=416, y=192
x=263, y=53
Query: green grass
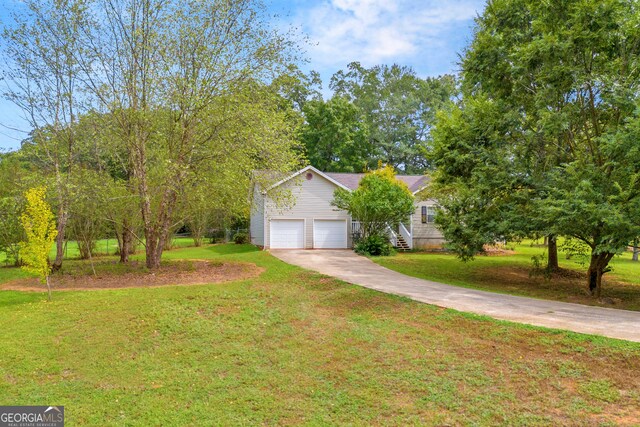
x=512, y=274
x=292, y=347
x=110, y=246
x=104, y=247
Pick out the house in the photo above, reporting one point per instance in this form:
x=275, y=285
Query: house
x=309, y=220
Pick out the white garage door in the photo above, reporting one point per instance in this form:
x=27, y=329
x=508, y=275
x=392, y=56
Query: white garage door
x=287, y=234
x=329, y=234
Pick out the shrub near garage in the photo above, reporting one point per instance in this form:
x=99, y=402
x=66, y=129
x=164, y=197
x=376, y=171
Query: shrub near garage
x=241, y=238
x=380, y=201
x=374, y=245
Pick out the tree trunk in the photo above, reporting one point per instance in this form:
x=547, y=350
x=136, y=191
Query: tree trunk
x=93, y=268
x=168, y=243
x=125, y=250
x=597, y=267
x=636, y=250
x=153, y=250
x=552, y=250
x=125, y=242
x=157, y=232
x=62, y=224
x=48, y=287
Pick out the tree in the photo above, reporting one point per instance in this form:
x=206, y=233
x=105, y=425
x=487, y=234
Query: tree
x=545, y=140
x=398, y=109
x=297, y=88
x=40, y=230
x=177, y=65
x=42, y=47
x=213, y=202
x=87, y=219
x=335, y=136
x=104, y=154
x=11, y=230
x=13, y=177
x=381, y=200
x=122, y=215
x=180, y=84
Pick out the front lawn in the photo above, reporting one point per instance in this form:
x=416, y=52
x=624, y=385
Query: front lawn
x=293, y=347
x=512, y=273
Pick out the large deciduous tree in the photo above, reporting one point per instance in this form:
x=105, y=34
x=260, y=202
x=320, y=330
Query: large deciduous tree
x=546, y=139
x=335, y=136
x=398, y=108
x=169, y=71
x=41, y=48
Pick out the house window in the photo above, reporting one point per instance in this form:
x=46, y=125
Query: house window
x=428, y=214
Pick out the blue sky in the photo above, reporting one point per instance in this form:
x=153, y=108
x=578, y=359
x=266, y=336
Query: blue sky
x=424, y=34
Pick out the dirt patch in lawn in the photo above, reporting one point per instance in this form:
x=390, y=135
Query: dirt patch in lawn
x=496, y=250
x=135, y=275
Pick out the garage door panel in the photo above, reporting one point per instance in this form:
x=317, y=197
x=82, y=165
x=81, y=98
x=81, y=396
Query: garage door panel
x=329, y=234
x=287, y=234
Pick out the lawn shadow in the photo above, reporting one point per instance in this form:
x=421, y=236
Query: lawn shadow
x=231, y=249
x=8, y=298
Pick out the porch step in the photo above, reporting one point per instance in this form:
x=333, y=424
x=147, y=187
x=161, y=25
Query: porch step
x=402, y=244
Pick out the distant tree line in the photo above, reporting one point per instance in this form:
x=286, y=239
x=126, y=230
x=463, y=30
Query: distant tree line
x=383, y=114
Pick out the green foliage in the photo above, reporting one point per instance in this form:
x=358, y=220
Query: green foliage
x=241, y=238
x=297, y=88
x=398, y=109
x=546, y=139
x=11, y=230
x=576, y=249
x=380, y=200
x=335, y=136
x=189, y=98
x=482, y=200
x=40, y=230
x=14, y=177
x=88, y=209
x=374, y=245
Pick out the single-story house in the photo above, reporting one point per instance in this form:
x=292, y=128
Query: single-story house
x=309, y=221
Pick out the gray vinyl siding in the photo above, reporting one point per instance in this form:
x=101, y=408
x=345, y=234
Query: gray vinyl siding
x=311, y=199
x=256, y=225
x=425, y=235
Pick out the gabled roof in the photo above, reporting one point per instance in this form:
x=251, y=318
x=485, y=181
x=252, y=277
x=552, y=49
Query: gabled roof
x=350, y=181
x=310, y=168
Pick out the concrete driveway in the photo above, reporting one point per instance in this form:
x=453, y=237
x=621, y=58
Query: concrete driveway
x=352, y=268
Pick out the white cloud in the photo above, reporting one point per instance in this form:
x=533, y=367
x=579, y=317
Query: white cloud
x=380, y=31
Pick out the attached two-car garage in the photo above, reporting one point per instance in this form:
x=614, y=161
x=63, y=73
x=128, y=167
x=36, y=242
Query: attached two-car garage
x=326, y=234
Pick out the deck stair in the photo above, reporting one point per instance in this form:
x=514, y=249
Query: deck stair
x=402, y=244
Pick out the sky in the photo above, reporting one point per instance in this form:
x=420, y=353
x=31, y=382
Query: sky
x=426, y=35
